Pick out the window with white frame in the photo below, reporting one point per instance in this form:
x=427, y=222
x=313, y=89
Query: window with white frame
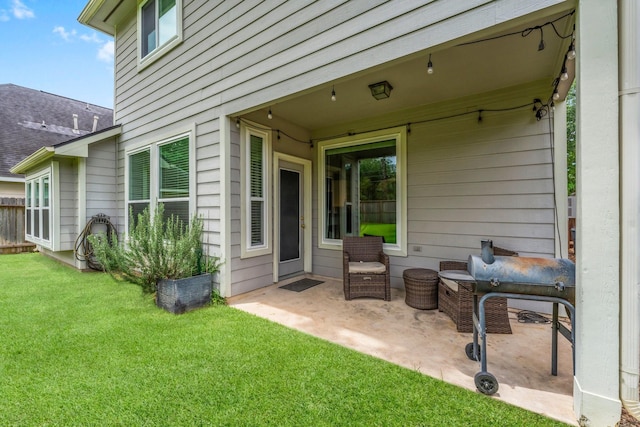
x=139, y=182
x=161, y=173
x=173, y=178
x=255, y=153
x=362, y=180
x=38, y=208
x=159, y=26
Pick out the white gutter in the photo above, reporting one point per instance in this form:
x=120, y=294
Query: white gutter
x=629, y=68
x=39, y=156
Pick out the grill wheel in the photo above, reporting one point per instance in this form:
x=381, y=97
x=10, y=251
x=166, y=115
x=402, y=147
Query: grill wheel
x=468, y=349
x=486, y=383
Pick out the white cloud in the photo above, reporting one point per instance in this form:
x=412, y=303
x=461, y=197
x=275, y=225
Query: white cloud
x=106, y=52
x=93, y=38
x=21, y=11
x=66, y=35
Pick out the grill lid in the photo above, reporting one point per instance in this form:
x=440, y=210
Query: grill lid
x=524, y=275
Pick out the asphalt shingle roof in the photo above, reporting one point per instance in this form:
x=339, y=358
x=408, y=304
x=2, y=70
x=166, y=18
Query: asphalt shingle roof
x=31, y=119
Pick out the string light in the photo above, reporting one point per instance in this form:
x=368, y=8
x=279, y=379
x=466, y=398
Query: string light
x=564, y=72
x=238, y=123
x=429, y=66
x=333, y=94
x=269, y=115
x=541, y=113
x=527, y=31
x=536, y=101
x=279, y=132
x=540, y=109
x=571, y=54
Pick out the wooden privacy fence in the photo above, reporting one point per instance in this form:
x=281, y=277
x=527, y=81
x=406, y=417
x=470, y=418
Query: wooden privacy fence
x=12, y=226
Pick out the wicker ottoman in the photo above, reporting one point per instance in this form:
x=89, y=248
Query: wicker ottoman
x=421, y=288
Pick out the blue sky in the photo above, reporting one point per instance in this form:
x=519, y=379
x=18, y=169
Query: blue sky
x=44, y=47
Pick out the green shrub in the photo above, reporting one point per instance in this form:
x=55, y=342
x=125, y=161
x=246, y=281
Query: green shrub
x=156, y=249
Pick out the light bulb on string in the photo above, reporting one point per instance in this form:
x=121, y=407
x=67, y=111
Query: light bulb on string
x=429, y=66
x=556, y=95
x=269, y=115
x=571, y=53
x=333, y=94
x=564, y=74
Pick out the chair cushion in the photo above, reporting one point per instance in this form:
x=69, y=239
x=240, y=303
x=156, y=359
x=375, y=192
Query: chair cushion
x=363, y=267
x=451, y=284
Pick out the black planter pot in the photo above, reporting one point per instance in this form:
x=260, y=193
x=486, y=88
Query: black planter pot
x=180, y=295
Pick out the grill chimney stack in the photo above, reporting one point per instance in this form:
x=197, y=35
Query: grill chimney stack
x=487, y=251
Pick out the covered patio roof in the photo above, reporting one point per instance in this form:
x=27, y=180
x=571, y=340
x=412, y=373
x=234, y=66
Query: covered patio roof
x=508, y=56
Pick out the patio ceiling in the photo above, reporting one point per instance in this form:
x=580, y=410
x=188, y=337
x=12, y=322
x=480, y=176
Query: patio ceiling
x=459, y=71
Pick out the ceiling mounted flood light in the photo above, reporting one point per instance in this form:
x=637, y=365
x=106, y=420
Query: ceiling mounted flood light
x=380, y=90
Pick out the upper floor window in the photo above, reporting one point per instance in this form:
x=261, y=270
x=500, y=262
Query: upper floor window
x=159, y=27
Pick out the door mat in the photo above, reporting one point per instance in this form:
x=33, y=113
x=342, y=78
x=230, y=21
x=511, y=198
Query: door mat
x=301, y=285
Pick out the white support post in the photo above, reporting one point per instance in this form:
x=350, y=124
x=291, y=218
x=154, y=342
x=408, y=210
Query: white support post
x=225, y=209
x=596, y=381
x=82, y=205
x=629, y=36
x=560, y=181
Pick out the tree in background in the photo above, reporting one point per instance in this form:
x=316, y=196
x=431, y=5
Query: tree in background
x=571, y=140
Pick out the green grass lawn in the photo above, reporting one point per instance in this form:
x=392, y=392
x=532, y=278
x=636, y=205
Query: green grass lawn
x=81, y=349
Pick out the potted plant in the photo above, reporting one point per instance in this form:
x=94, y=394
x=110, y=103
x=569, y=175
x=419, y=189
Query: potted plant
x=161, y=256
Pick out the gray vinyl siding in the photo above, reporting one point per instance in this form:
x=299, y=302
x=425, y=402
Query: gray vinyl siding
x=240, y=55
x=68, y=224
x=101, y=180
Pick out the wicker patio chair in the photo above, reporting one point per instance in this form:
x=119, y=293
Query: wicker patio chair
x=365, y=268
x=457, y=302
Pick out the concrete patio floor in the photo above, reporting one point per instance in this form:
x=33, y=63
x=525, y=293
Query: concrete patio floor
x=426, y=341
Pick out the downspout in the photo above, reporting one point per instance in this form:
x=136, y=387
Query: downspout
x=629, y=66
x=225, y=210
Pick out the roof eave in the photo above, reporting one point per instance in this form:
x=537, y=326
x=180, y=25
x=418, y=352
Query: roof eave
x=74, y=148
x=89, y=16
x=29, y=162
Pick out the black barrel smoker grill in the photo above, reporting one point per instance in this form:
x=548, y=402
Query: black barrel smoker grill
x=537, y=279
